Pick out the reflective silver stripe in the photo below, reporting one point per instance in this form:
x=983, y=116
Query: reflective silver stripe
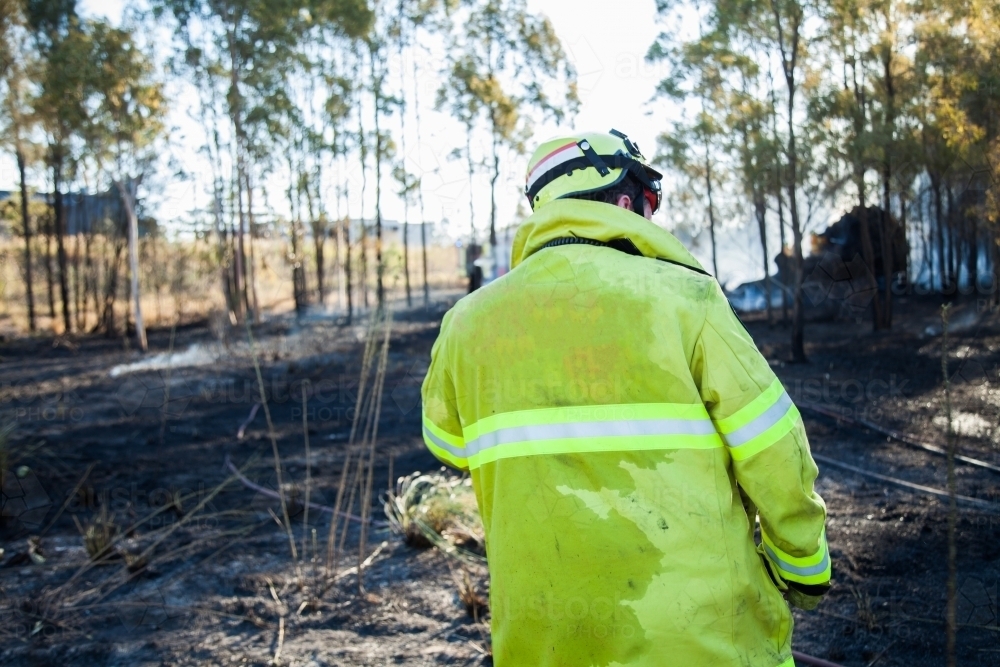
x=451, y=449
x=812, y=570
x=603, y=429
x=766, y=420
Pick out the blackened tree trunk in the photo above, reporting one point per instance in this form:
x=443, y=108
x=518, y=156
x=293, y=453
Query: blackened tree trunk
x=939, y=227
x=347, y=267
x=26, y=223
x=789, y=46
x=50, y=289
x=711, y=212
x=379, y=264
x=59, y=215
x=868, y=250
x=952, y=236
x=760, y=208
x=972, y=247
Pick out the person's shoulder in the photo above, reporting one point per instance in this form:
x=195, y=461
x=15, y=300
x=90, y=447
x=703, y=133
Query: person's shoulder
x=681, y=281
x=466, y=310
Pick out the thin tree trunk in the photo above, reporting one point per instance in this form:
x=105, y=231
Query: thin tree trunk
x=347, y=266
x=293, y=192
x=493, y=199
x=420, y=191
x=868, y=250
x=318, y=225
x=111, y=290
x=90, y=284
x=885, y=236
x=239, y=277
x=952, y=236
x=939, y=227
x=470, y=266
x=49, y=279
x=26, y=224
x=379, y=264
x=252, y=263
x=128, y=199
x=81, y=316
x=972, y=258
x=235, y=112
x=995, y=257
x=781, y=204
x=711, y=213
x=363, y=266
x=760, y=207
x=402, y=140
x=60, y=219
x=789, y=57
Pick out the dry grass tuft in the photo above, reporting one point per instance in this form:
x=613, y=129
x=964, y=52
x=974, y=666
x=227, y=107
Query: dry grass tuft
x=866, y=613
x=468, y=594
x=437, y=510
x=99, y=535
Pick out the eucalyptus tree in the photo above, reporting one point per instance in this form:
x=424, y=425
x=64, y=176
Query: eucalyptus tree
x=126, y=122
x=64, y=48
x=508, y=63
x=756, y=152
x=18, y=66
x=690, y=147
x=421, y=17
x=340, y=94
x=784, y=31
x=252, y=43
x=772, y=29
x=945, y=72
x=844, y=110
x=376, y=43
x=893, y=80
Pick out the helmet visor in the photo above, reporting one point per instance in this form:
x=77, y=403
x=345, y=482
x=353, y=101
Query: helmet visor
x=653, y=195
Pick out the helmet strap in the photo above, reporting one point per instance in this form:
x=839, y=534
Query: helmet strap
x=637, y=206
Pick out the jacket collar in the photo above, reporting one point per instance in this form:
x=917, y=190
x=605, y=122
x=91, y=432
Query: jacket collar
x=599, y=221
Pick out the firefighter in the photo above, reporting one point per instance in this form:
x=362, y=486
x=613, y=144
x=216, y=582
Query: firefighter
x=624, y=435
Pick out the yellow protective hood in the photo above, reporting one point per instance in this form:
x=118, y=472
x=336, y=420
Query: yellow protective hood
x=598, y=221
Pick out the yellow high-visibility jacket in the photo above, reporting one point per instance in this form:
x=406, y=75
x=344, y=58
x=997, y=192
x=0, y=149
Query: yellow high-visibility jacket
x=622, y=432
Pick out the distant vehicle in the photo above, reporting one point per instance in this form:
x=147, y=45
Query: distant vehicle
x=752, y=296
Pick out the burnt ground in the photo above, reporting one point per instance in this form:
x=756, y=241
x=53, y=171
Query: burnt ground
x=217, y=584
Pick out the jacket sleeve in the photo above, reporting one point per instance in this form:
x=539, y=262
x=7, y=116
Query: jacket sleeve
x=441, y=424
x=767, y=443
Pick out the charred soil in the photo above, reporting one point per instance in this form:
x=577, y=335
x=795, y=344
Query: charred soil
x=199, y=569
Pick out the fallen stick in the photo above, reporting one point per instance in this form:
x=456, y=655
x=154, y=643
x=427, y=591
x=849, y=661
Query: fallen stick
x=243, y=427
x=281, y=641
x=274, y=494
x=895, y=435
x=368, y=561
x=815, y=662
x=962, y=500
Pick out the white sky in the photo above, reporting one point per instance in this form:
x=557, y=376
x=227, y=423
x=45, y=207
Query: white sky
x=606, y=42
